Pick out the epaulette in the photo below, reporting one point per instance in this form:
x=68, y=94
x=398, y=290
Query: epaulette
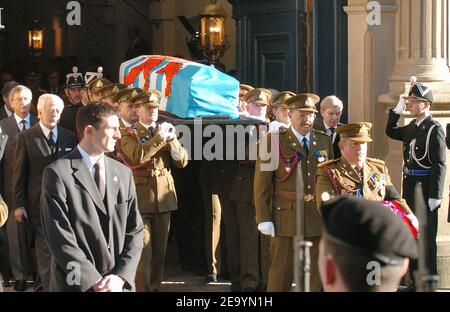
x=282, y=130
x=320, y=132
x=328, y=162
x=376, y=161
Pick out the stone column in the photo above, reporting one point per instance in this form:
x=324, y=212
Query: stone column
x=421, y=50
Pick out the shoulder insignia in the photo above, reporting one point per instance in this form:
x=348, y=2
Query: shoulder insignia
x=320, y=132
x=327, y=163
x=376, y=161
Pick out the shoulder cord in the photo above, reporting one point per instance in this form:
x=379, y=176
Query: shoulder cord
x=412, y=148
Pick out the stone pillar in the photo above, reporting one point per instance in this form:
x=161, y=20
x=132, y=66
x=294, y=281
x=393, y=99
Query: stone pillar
x=371, y=60
x=421, y=50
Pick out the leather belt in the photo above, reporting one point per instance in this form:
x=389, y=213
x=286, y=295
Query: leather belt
x=416, y=172
x=292, y=195
x=151, y=172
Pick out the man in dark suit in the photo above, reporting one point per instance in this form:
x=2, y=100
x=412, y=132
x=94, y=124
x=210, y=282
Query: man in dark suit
x=36, y=148
x=89, y=211
x=6, y=110
x=331, y=109
x=20, y=98
x=424, y=157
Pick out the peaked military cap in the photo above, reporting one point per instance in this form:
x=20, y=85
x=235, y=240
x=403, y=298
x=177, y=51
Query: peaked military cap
x=357, y=131
x=305, y=102
x=420, y=91
x=260, y=96
x=150, y=98
x=245, y=87
x=368, y=228
x=111, y=89
x=97, y=84
x=74, y=79
x=281, y=98
x=89, y=76
x=127, y=94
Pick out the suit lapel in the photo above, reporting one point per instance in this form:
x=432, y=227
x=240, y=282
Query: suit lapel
x=349, y=172
x=41, y=140
x=84, y=177
x=112, y=185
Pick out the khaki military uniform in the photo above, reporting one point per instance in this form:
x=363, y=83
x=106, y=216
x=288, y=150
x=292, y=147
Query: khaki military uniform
x=275, y=201
x=337, y=177
x=151, y=158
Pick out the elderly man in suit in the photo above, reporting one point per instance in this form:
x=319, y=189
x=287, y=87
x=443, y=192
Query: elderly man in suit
x=331, y=109
x=20, y=99
x=7, y=109
x=89, y=211
x=36, y=148
x=152, y=150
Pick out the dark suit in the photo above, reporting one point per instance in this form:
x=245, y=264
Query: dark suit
x=3, y=114
x=87, y=238
x=17, y=232
x=33, y=154
x=434, y=161
x=319, y=125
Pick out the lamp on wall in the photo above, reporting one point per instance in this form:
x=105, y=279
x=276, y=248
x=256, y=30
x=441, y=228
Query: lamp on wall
x=213, y=39
x=35, y=39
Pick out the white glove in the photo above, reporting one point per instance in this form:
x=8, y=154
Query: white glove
x=267, y=228
x=401, y=106
x=167, y=131
x=110, y=283
x=433, y=203
x=413, y=220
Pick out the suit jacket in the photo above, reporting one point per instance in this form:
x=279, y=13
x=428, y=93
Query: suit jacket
x=9, y=126
x=87, y=238
x=375, y=182
x=3, y=212
x=436, y=151
x=151, y=158
x=275, y=185
x=319, y=125
x=3, y=114
x=3, y=140
x=32, y=155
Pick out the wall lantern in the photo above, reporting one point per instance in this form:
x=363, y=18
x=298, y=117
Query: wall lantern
x=35, y=39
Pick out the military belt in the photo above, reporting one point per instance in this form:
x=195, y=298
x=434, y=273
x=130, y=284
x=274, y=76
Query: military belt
x=416, y=172
x=151, y=172
x=292, y=195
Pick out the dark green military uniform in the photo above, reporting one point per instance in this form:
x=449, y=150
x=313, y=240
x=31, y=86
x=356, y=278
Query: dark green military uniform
x=275, y=195
x=151, y=157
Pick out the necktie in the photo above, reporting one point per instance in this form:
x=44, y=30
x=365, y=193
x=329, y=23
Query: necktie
x=332, y=134
x=152, y=130
x=23, y=123
x=99, y=180
x=51, y=142
x=305, y=145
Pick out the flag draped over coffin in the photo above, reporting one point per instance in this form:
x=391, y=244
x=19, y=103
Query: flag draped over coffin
x=188, y=89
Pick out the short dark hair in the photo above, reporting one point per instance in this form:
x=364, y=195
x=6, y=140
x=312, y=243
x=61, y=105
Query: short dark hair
x=354, y=271
x=93, y=114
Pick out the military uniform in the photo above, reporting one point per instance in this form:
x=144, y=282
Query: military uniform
x=320, y=126
x=151, y=158
x=424, y=156
x=69, y=113
x=275, y=196
x=337, y=177
x=371, y=181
